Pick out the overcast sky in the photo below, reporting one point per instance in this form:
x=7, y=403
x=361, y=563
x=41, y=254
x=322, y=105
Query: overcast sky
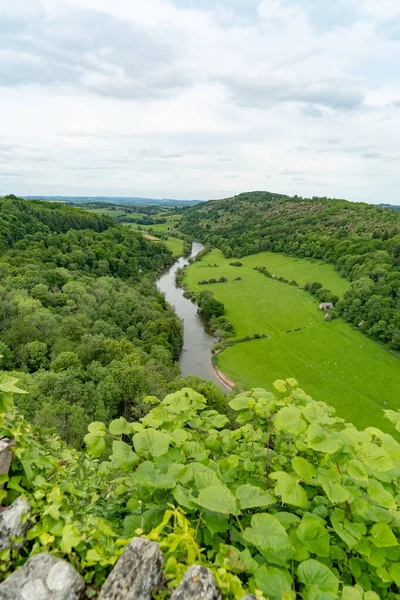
x=200, y=98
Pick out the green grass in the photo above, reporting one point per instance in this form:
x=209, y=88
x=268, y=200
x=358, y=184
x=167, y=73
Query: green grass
x=331, y=361
x=175, y=245
x=160, y=228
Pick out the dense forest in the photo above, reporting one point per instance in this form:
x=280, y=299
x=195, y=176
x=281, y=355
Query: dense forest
x=82, y=324
x=361, y=240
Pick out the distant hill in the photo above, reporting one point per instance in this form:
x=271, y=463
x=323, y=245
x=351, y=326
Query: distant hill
x=394, y=207
x=116, y=200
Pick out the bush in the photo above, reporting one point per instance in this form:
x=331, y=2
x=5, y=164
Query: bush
x=237, y=263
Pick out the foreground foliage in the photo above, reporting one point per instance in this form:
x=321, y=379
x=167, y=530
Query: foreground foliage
x=290, y=502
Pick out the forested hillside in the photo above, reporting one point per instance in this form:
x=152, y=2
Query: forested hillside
x=81, y=320
x=361, y=240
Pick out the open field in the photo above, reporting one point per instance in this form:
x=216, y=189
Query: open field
x=333, y=362
x=175, y=245
x=161, y=228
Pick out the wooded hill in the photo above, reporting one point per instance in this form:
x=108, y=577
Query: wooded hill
x=82, y=324
x=361, y=240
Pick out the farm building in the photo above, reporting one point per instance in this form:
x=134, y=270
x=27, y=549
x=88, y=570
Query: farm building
x=326, y=306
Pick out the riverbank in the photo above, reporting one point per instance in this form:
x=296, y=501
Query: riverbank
x=229, y=383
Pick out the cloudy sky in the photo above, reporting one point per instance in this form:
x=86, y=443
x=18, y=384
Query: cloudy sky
x=200, y=98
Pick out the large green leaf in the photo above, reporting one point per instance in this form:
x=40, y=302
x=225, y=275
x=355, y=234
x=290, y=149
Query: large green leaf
x=380, y=496
x=123, y=455
x=290, y=419
x=375, y=458
x=394, y=417
x=151, y=442
x=321, y=440
x=332, y=487
x=275, y=583
x=382, y=536
x=240, y=402
x=71, y=538
x=314, y=536
x=250, y=496
x=95, y=444
x=148, y=476
x=7, y=384
x=267, y=534
x=280, y=385
x=183, y=497
x=97, y=427
x=395, y=573
x=289, y=489
x=219, y=421
x=317, y=576
x=303, y=468
x=356, y=470
x=342, y=532
x=215, y=522
x=205, y=477
x=351, y=593
x=120, y=426
x=219, y=499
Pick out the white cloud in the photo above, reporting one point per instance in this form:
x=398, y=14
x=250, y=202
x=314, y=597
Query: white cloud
x=200, y=99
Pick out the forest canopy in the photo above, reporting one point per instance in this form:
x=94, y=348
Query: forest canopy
x=82, y=323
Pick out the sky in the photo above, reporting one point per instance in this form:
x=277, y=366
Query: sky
x=200, y=99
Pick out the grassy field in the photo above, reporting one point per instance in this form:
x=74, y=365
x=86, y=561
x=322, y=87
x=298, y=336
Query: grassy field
x=162, y=228
x=175, y=245
x=331, y=361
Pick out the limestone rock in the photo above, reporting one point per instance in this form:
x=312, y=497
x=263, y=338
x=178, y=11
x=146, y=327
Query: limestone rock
x=43, y=577
x=13, y=523
x=197, y=584
x=6, y=456
x=136, y=574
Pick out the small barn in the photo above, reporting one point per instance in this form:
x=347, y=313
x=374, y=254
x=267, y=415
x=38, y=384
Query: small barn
x=326, y=306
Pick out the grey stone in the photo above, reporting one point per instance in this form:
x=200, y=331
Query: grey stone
x=249, y=597
x=13, y=523
x=197, y=584
x=137, y=573
x=43, y=577
x=6, y=456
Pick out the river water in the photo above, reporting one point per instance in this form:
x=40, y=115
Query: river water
x=195, y=358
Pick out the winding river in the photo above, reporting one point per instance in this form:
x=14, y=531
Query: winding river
x=195, y=358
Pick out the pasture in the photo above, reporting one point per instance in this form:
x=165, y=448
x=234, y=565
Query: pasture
x=332, y=362
x=175, y=245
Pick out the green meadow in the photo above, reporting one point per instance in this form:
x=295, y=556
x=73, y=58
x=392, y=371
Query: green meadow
x=157, y=228
x=332, y=362
x=175, y=245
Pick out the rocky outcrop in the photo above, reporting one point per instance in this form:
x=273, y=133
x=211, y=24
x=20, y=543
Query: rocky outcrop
x=6, y=456
x=43, y=577
x=137, y=573
x=14, y=523
x=197, y=584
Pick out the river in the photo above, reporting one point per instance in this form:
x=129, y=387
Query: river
x=195, y=358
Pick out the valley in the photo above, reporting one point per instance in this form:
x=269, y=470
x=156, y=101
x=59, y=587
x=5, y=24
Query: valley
x=332, y=361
